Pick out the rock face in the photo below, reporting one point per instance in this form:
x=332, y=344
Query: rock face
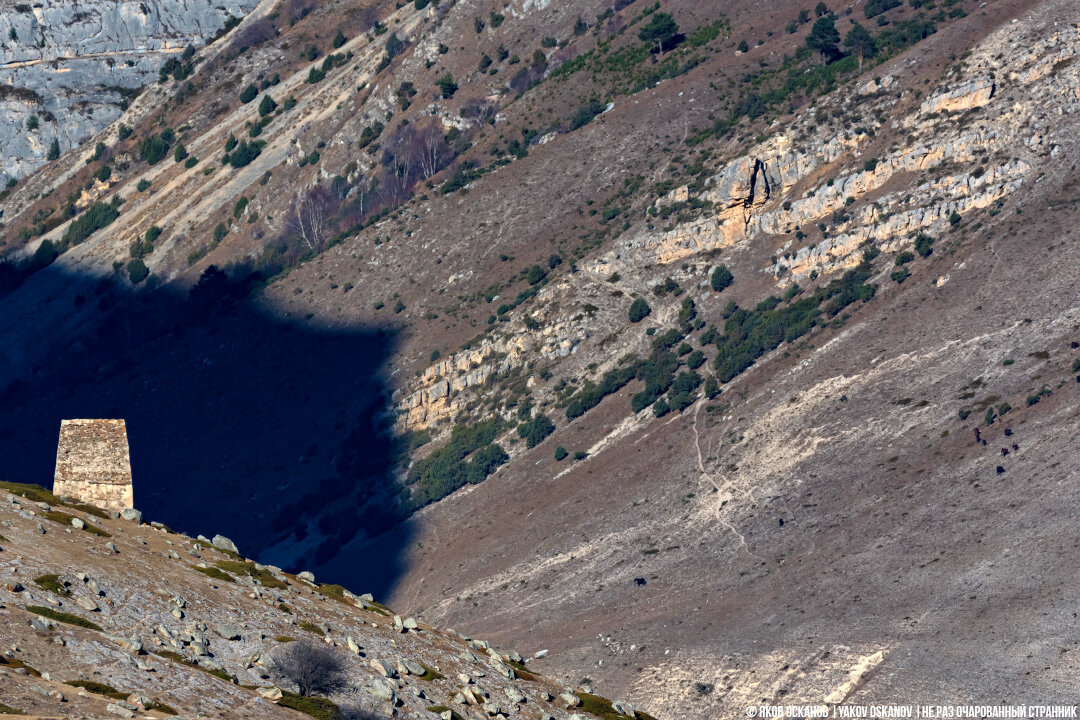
x=73, y=65
x=92, y=463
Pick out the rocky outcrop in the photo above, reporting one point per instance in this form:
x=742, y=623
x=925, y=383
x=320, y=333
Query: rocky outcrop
x=75, y=65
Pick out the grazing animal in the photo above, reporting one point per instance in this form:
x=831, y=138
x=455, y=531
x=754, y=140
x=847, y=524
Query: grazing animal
x=1004, y=452
x=781, y=522
x=978, y=436
x=1015, y=447
x=639, y=581
x=1000, y=469
x=1008, y=432
x=1074, y=344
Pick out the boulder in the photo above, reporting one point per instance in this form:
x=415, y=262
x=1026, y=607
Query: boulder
x=514, y=695
x=383, y=668
x=86, y=603
x=111, y=547
x=116, y=709
x=307, y=576
x=223, y=543
x=623, y=708
x=77, y=523
x=353, y=646
x=570, y=698
x=272, y=694
x=40, y=625
x=413, y=668
x=382, y=689
x=131, y=514
x=410, y=624
x=229, y=632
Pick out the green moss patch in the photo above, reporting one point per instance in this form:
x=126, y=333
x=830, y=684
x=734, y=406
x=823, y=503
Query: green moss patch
x=312, y=628
x=98, y=689
x=162, y=708
x=430, y=674
x=63, y=617
x=65, y=519
x=15, y=663
x=285, y=639
x=8, y=710
x=319, y=708
x=34, y=493
x=601, y=708
x=264, y=576
x=53, y=584
x=214, y=573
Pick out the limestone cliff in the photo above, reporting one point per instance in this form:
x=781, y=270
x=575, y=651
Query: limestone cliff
x=74, y=65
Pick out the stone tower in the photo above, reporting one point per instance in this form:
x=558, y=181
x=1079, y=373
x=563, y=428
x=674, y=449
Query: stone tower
x=93, y=465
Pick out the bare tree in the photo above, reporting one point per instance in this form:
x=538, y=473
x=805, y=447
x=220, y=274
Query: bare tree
x=315, y=669
x=311, y=217
x=432, y=150
x=398, y=159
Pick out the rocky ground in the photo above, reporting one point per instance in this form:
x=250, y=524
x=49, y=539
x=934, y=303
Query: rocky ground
x=166, y=624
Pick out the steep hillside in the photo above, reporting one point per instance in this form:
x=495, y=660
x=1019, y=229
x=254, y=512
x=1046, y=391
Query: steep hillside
x=551, y=299
x=104, y=617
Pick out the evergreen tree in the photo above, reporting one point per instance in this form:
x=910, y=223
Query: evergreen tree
x=54, y=150
x=860, y=41
x=660, y=31
x=824, y=38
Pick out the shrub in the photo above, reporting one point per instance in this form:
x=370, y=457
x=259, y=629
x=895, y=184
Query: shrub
x=536, y=430
x=661, y=30
x=560, y=453
x=191, y=162
x=54, y=150
x=267, y=106
x=661, y=408
x=904, y=258
x=877, y=7
x=586, y=113
x=137, y=271
x=447, y=86
x=639, y=310
x=154, y=148
x=32, y=122
x=580, y=455
x=98, y=689
x=899, y=276
x=94, y=218
x=394, y=46
x=248, y=94
x=954, y=218
x=535, y=275
x=721, y=278
x=244, y=153
x=314, y=668
x=923, y=245
x=214, y=573
x=339, y=40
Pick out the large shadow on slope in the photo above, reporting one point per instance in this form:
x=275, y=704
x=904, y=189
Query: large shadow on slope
x=267, y=430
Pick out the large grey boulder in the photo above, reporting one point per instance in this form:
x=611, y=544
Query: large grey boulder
x=223, y=543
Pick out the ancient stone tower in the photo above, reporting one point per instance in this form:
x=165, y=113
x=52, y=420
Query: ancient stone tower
x=92, y=463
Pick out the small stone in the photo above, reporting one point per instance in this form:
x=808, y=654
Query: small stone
x=111, y=547
x=77, y=523
x=86, y=603
x=223, y=543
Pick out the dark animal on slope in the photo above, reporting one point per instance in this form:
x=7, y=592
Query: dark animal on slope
x=1000, y=469
x=639, y=581
x=1004, y=452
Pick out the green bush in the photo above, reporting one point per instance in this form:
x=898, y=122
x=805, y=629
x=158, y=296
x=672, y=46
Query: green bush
x=899, y=276
x=639, y=310
x=32, y=122
x=923, y=245
x=180, y=153
x=154, y=149
x=143, y=185
x=267, y=105
x=535, y=275
x=721, y=278
x=191, y=162
x=137, y=271
x=339, y=40
x=54, y=150
x=214, y=573
x=447, y=86
x=98, y=689
x=94, y=218
x=586, y=113
x=536, y=430
x=245, y=153
x=560, y=453
x=445, y=470
x=248, y=94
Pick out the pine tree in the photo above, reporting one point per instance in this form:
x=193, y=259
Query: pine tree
x=824, y=38
x=860, y=41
